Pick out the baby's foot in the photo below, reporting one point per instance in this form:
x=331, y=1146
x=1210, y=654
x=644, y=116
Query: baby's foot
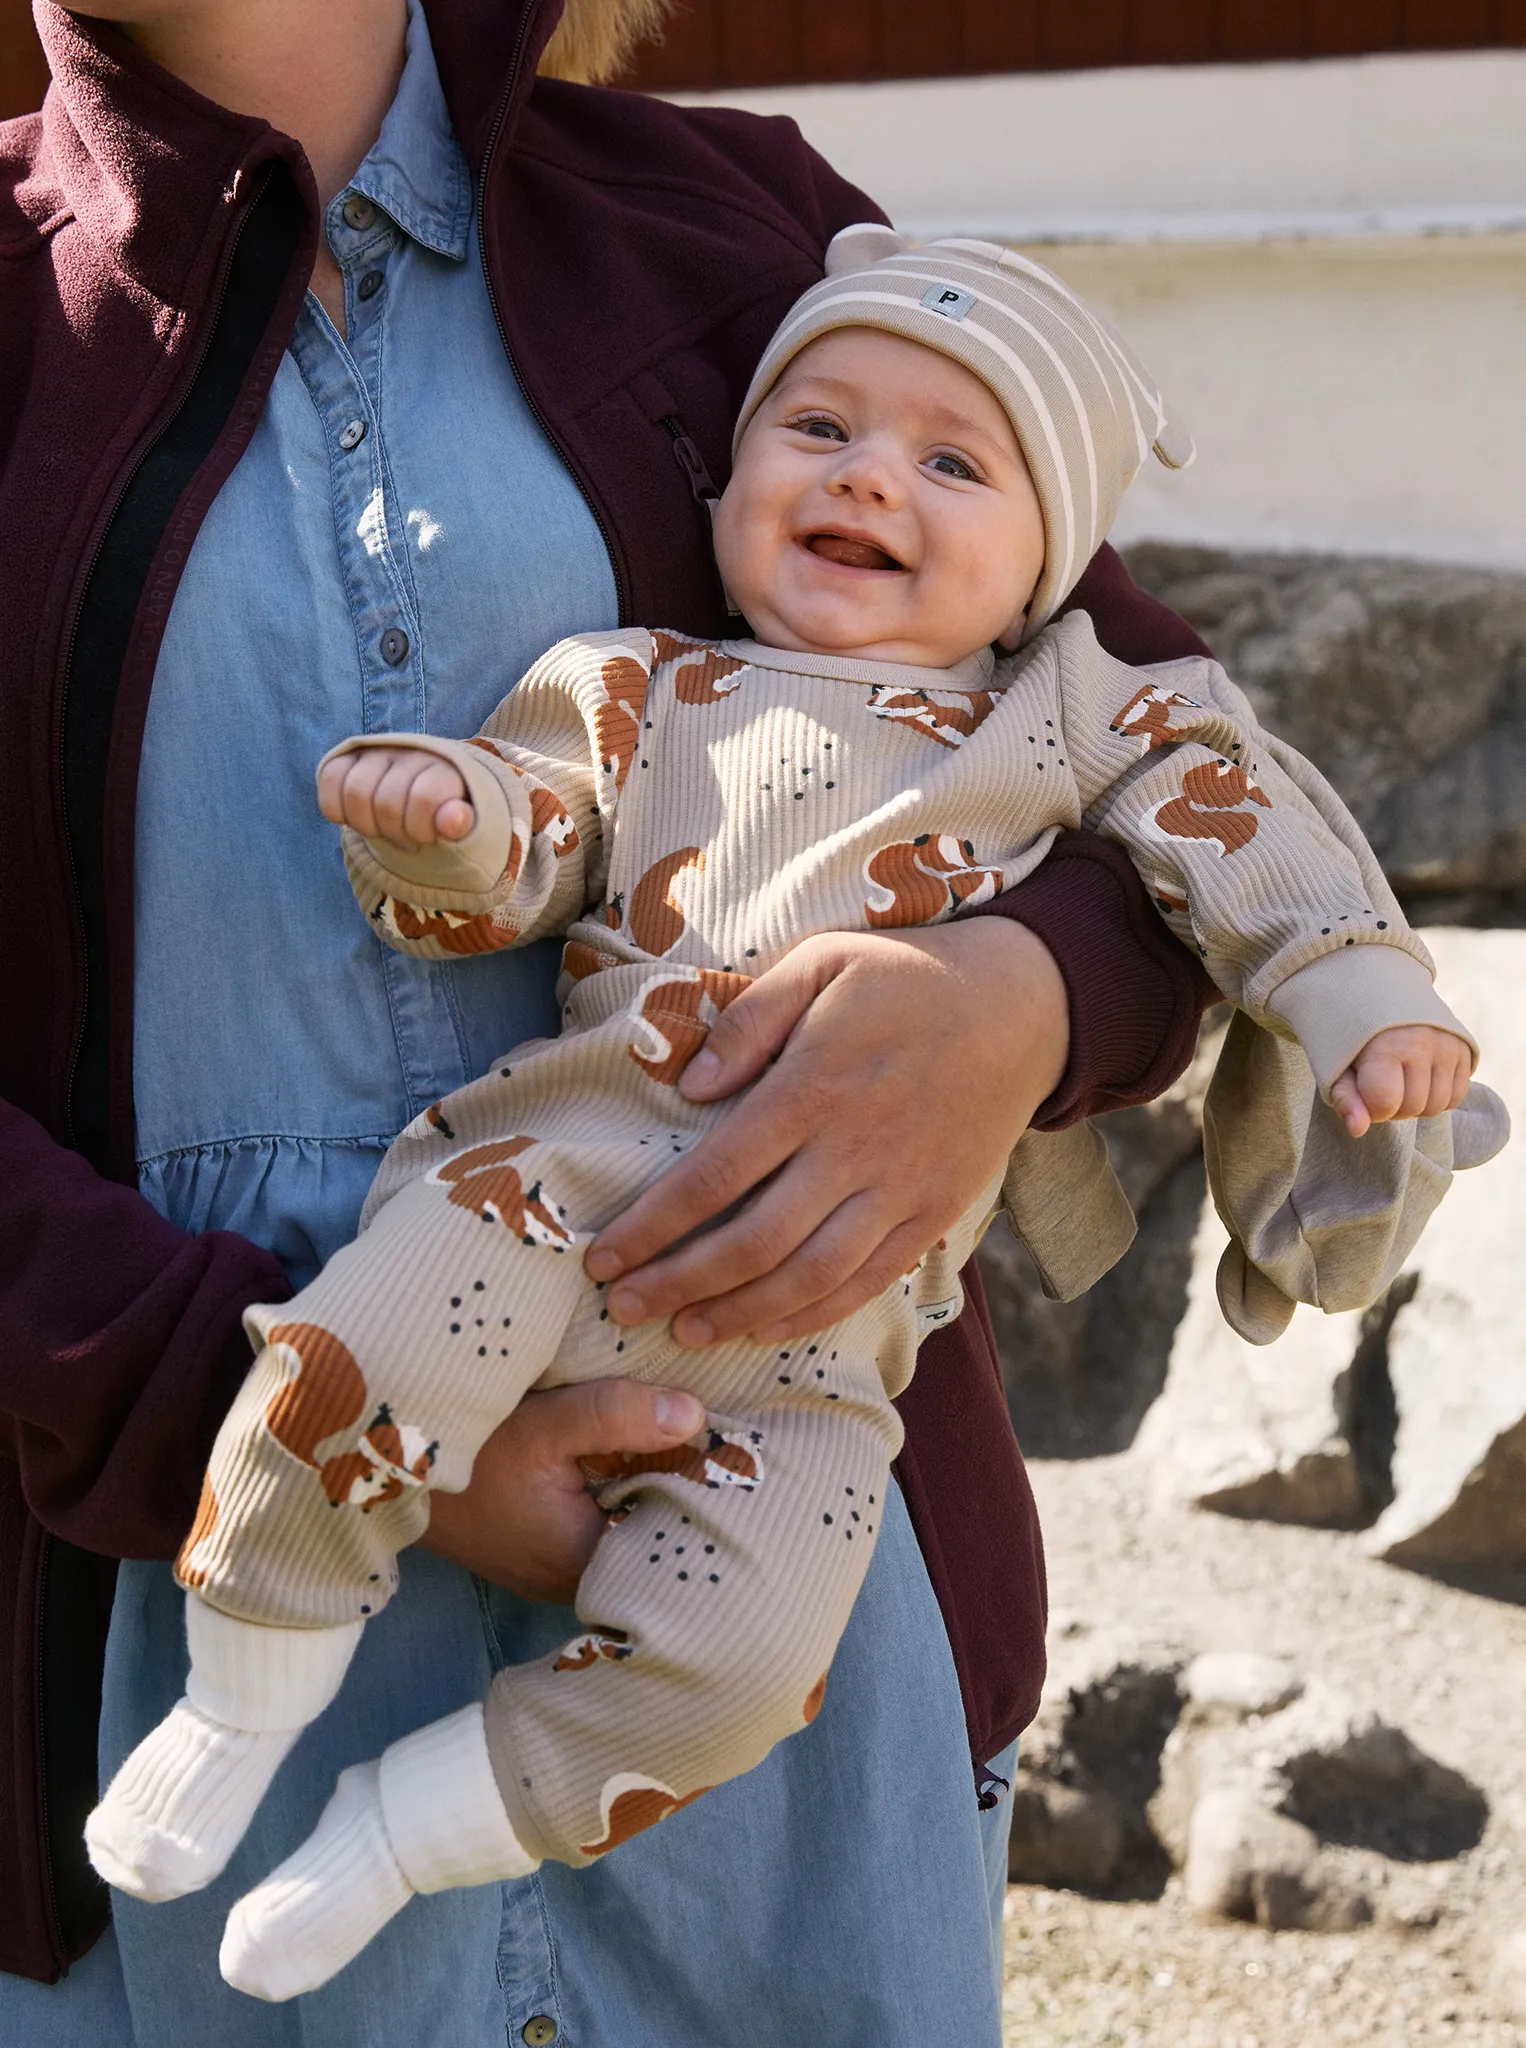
x=319, y=1908
x=178, y=1808
x=425, y=1818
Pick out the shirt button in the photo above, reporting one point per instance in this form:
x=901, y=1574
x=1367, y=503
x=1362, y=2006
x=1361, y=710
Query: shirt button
x=394, y=649
x=353, y=435
x=370, y=284
x=539, y=2031
x=358, y=212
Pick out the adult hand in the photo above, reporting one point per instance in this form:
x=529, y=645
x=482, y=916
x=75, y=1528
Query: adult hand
x=526, y=1521
x=904, y=1069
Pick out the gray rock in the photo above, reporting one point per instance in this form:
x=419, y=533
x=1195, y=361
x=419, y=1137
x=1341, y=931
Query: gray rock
x=1455, y=1356
x=1505, y=1964
x=1342, y=1772
x=1294, y=1431
x=1237, y=1683
x=1090, y=1764
x=1063, y=1836
x=1243, y=1863
x=1404, y=681
x=1081, y=1375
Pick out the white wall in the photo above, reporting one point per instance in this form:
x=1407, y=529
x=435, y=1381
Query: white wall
x=1351, y=396
x=1324, y=264
x=1339, y=146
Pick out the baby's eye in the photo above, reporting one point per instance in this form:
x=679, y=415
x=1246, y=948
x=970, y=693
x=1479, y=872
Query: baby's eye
x=952, y=465
x=821, y=428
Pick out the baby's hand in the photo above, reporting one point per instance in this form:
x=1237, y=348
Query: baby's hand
x=399, y=794
x=1412, y=1070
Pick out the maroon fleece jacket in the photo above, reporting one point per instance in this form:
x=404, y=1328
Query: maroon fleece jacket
x=154, y=250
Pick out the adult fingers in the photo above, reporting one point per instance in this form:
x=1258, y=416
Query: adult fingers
x=754, y=1029
x=894, y=1257
x=786, y=1265
x=727, y=1163
x=853, y=1257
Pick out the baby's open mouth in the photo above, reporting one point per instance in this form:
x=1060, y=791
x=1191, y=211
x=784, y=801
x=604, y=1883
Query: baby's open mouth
x=852, y=554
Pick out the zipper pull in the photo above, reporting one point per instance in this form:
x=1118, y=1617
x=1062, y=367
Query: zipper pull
x=690, y=461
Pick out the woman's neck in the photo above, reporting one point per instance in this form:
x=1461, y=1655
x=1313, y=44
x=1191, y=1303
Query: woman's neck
x=324, y=74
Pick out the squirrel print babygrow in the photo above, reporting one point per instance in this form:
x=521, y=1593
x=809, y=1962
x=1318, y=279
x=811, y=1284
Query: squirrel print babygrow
x=684, y=813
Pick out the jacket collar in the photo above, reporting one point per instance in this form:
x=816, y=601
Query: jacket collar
x=487, y=51
x=149, y=168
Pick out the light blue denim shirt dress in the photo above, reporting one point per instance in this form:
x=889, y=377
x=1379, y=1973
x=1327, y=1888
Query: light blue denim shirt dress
x=397, y=545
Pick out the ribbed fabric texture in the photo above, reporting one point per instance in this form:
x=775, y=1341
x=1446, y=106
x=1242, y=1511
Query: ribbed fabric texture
x=1085, y=410
x=263, y=1679
x=179, y=1805
x=178, y=1808
x=317, y=1910
x=1084, y=878
x=444, y=1816
x=699, y=809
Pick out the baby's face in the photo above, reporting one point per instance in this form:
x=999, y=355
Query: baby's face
x=880, y=505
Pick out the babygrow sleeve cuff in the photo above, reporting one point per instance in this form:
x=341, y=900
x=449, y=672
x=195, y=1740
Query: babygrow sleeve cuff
x=464, y=867
x=1340, y=1001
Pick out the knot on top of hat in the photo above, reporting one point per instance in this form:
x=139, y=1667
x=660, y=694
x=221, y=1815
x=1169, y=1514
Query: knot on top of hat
x=859, y=247
x=1174, y=446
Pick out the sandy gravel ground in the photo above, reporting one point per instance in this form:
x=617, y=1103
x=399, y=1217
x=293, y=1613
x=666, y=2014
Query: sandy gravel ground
x=1448, y=1666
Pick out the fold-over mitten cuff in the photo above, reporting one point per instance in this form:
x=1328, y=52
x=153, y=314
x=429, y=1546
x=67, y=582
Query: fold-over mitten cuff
x=1340, y=1001
x=469, y=866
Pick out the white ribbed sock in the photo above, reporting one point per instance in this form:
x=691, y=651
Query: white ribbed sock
x=178, y=1808
x=319, y=1908
x=443, y=1809
x=428, y=1816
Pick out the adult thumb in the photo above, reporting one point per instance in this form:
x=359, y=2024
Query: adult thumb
x=626, y=1416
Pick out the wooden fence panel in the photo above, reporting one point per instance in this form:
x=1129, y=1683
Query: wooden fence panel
x=811, y=41
x=1078, y=38
x=999, y=35
x=716, y=44
x=1171, y=31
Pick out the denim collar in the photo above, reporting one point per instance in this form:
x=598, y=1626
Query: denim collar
x=415, y=171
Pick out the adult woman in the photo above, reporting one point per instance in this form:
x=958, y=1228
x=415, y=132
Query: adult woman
x=386, y=522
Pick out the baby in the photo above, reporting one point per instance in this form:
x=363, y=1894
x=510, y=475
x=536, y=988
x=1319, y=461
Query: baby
x=932, y=449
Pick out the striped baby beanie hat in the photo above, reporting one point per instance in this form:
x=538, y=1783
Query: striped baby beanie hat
x=1085, y=410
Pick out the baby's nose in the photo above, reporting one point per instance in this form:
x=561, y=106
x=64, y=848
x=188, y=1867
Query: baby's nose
x=861, y=474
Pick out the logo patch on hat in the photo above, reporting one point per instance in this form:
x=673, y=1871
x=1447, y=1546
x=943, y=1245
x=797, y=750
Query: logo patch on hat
x=948, y=300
